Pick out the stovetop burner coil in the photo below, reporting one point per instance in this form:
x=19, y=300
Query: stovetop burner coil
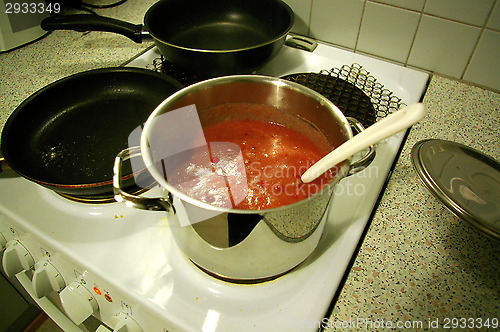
x=383, y=100
x=353, y=90
x=180, y=74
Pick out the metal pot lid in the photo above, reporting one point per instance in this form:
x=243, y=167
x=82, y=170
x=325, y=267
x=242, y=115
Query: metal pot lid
x=465, y=180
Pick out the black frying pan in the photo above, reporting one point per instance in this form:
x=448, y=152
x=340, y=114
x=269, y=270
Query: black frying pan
x=66, y=135
x=215, y=37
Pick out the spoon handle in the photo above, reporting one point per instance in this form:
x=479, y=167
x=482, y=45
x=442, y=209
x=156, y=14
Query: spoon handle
x=394, y=123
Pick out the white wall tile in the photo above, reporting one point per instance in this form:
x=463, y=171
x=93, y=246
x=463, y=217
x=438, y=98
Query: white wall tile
x=417, y=5
x=387, y=31
x=302, y=10
x=443, y=46
x=484, y=67
x=467, y=11
x=494, y=20
x=336, y=21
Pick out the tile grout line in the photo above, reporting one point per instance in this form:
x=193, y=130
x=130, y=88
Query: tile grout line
x=415, y=35
x=310, y=18
x=437, y=16
x=359, y=28
x=481, y=33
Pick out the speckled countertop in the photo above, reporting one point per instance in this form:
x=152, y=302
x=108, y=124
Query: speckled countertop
x=418, y=262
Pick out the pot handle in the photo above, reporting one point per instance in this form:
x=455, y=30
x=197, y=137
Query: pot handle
x=85, y=22
x=366, y=160
x=302, y=43
x=143, y=203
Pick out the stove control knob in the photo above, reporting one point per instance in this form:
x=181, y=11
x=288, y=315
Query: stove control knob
x=78, y=302
x=125, y=323
x=16, y=258
x=46, y=279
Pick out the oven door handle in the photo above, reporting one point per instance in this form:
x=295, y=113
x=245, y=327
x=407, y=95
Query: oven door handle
x=48, y=307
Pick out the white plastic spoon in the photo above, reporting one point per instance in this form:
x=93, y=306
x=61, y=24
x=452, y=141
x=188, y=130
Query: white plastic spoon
x=394, y=123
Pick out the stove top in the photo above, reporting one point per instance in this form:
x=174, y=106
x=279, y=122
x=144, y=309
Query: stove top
x=129, y=263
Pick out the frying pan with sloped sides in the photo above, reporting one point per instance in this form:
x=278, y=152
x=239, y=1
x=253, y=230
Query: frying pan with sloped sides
x=216, y=37
x=66, y=135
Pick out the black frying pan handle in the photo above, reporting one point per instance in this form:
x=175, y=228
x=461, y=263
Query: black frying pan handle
x=84, y=22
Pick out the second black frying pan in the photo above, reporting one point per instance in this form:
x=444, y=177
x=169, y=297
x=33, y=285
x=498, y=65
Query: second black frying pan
x=66, y=135
x=216, y=37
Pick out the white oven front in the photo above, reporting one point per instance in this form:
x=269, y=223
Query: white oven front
x=120, y=267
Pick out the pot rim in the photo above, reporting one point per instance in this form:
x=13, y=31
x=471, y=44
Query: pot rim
x=146, y=156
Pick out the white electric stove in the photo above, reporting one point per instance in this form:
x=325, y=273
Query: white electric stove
x=122, y=267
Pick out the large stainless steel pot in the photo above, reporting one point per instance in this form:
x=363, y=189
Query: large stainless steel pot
x=243, y=245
